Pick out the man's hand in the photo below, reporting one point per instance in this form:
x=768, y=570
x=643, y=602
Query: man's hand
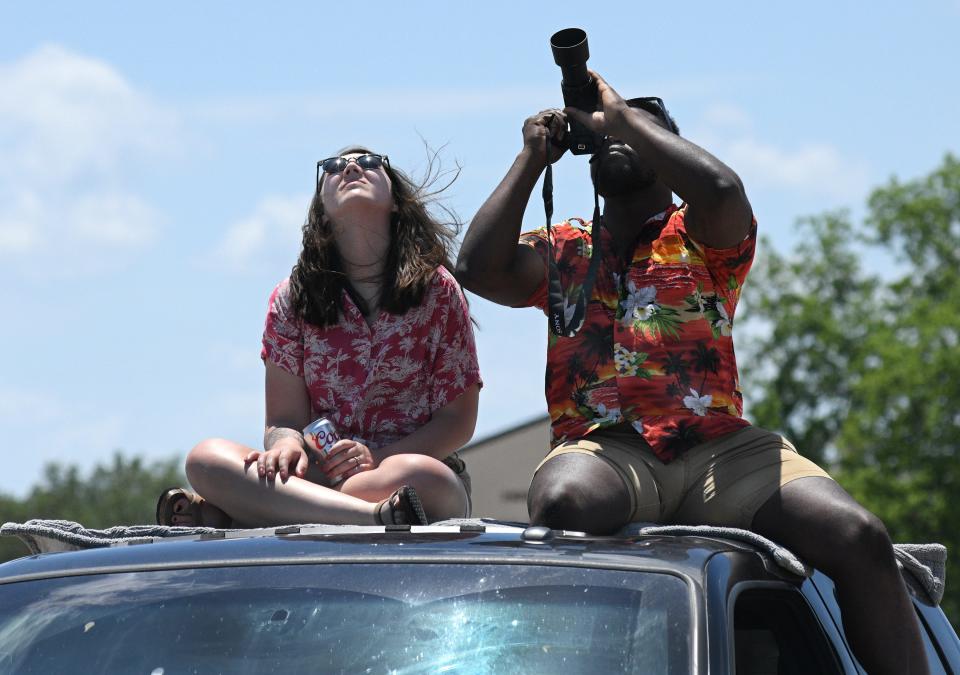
x=347, y=458
x=610, y=118
x=492, y=263
x=546, y=124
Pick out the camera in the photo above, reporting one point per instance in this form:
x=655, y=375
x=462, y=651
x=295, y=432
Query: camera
x=570, y=52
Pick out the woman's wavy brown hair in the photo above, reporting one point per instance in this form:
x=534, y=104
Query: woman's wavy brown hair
x=419, y=244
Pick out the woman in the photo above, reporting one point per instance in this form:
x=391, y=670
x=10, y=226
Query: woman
x=372, y=332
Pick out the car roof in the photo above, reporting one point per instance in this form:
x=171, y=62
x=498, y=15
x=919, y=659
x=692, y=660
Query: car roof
x=464, y=543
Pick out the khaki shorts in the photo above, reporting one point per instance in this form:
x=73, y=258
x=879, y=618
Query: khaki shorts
x=721, y=482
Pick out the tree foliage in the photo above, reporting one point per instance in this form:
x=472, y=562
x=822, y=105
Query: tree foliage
x=122, y=492
x=861, y=367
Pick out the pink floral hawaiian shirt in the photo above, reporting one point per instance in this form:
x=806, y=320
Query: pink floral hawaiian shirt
x=378, y=384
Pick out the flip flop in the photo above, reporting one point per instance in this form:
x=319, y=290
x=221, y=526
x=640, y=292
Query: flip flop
x=403, y=507
x=177, y=501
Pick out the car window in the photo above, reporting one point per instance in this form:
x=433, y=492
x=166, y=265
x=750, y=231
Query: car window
x=935, y=660
x=775, y=633
x=929, y=618
x=377, y=618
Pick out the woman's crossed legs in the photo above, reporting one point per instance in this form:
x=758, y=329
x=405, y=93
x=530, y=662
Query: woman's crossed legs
x=217, y=470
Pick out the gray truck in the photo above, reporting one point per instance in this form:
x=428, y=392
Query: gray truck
x=469, y=596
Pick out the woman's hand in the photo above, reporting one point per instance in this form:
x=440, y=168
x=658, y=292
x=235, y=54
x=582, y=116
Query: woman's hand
x=280, y=459
x=347, y=458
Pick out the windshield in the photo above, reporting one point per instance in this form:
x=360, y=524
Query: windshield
x=356, y=618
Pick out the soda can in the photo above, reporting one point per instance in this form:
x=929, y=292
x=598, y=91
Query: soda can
x=319, y=436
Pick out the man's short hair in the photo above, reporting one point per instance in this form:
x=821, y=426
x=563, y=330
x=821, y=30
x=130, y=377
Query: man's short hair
x=655, y=107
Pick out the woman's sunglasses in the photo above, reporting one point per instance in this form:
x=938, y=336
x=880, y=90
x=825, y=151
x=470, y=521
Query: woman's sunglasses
x=334, y=165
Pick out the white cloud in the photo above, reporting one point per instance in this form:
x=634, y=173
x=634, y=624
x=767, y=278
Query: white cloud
x=401, y=103
x=813, y=167
x=17, y=235
x=63, y=115
x=271, y=233
x=71, y=127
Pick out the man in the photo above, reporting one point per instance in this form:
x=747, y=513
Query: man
x=644, y=397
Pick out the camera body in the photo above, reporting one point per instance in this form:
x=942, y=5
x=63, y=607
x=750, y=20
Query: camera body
x=570, y=52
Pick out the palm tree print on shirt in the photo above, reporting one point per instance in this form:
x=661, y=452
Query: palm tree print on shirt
x=711, y=307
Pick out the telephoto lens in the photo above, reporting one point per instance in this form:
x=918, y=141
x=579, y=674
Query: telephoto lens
x=570, y=52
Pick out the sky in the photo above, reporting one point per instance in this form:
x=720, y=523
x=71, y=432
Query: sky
x=157, y=160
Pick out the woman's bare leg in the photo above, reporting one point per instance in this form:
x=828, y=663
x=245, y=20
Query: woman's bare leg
x=441, y=492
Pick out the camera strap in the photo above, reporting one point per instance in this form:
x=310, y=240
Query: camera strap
x=566, y=318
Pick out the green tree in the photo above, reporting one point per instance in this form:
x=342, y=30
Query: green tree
x=862, y=370
x=122, y=492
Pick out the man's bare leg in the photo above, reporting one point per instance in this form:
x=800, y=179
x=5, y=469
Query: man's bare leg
x=577, y=491
x=826, y=527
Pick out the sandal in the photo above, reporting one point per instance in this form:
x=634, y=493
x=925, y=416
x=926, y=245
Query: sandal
x=188, y=509
x=403, y=507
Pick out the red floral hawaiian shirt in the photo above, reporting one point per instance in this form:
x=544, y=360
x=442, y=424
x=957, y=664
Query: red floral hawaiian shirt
x=378, y=384
x=656, y=348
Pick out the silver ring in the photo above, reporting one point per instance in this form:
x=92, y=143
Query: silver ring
x=357, y=460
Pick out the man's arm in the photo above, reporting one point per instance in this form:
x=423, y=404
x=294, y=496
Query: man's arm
x=718, y=212
x=492, y=263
